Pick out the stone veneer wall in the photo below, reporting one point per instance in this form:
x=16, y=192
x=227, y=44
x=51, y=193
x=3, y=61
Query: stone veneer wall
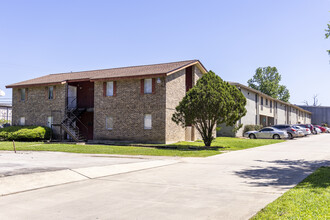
x=128, y=108
x=37, y=107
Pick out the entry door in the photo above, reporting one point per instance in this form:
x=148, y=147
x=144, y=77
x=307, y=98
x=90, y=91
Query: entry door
x=72, y=97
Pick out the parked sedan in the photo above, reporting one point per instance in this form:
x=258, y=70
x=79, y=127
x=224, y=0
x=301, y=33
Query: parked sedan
x=305, y=129
x=321, y=128
x=301, y=131
x=267, y=132
x=289, y=129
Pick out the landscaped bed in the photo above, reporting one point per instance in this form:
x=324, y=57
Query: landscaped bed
x=310, y=199
x=181, y=149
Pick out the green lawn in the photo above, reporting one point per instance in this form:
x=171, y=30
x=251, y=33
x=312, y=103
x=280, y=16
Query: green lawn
x=182, y=149
x=310, y=199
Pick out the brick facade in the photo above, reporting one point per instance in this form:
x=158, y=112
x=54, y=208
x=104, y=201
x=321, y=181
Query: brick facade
x=36, y=108
x=127, y=108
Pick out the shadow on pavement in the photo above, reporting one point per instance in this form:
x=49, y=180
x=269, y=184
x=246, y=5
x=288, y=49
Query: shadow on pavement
x=282, y=173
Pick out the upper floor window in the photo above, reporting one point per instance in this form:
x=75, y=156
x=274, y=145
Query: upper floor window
x=23, y=94
x=262, y=101
x=22, y=121
x=266, y=101
x=147, y=86
x=147, y=121
x=51, y=92
x=110, y=88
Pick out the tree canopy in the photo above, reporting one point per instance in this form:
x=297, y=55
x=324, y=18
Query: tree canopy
x=267, y=80
x=209, y=103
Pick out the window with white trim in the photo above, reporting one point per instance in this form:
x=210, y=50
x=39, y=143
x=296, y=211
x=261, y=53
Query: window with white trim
x=109, y=123
x=23, y=94
x=110, y=88
x=50, y=120
x=51, y=92
x=22, y=121
x=147, y=121
x=147, y=86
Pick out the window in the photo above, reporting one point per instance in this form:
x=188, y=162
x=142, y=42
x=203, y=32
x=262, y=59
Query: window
x=22, y=121
x=266, y=101
x=110, y=88
x=23, y=94
x=262, y=101
x=147, y=121
x=50, y=120
x=51, y=92
x=147, y=86
x=266, y=129
x=109, y=123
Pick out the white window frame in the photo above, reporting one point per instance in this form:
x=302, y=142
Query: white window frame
x=22, y=121
x=51, y=92
x=110, y=88
x=23, y=94
x=148, y=86
x=147, y=121
x=50, y=121
x=109, y=123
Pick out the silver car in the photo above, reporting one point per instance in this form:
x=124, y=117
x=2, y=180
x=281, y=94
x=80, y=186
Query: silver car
x=267, y=132
x=300, y=130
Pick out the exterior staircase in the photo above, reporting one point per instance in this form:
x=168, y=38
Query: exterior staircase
x=69, y=124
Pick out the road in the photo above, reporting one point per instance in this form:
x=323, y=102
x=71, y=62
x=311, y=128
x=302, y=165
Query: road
x=233, y=185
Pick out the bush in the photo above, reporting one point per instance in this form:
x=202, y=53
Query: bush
x=252, y=128
x=25, y=133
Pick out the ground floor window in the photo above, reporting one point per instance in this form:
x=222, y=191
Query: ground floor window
x=50, y=120
x=22, y=121
x=109, y=123
x=147, y=121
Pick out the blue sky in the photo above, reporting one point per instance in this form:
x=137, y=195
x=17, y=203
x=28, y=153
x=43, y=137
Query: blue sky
x=232, y=38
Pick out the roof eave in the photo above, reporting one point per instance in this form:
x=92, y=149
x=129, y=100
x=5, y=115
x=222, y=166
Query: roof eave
x=33, y=85
x=129, y=77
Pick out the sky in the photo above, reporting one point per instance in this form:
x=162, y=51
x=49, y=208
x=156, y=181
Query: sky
x=232, y=38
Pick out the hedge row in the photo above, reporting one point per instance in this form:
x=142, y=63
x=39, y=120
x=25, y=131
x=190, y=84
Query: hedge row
x=252, y=128
x=25, y=133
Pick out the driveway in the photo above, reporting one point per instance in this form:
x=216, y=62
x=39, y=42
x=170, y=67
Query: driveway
x=233, y=185
x=26, y=162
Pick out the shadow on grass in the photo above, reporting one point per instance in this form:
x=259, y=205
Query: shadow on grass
x=188, y=148
x=282, y=173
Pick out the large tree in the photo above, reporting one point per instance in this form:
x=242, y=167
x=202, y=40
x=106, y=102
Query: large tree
x=209, y=103
x=267, y=80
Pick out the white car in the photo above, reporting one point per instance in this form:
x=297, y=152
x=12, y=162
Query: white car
x=317, y=130
x=306, y=131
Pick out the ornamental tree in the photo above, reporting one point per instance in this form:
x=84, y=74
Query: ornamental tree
x=209, y=103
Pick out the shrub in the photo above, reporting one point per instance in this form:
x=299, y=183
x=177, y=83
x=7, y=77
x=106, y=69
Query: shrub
x=25, y=133
x=252, y=128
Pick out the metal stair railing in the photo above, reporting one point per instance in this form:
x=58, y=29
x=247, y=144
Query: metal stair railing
x=69, y=125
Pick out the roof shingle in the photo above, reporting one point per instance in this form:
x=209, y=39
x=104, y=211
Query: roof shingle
x=93, y=75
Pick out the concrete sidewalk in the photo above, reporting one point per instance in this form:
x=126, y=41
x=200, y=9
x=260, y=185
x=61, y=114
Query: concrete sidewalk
x=37, y=180
x=234, y=185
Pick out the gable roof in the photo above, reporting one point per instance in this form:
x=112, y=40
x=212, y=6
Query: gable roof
x=154, y=70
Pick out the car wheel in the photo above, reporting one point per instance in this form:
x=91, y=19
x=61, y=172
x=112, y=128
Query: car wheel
x=276, y=136
x=252, y=136
x=290, y=136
